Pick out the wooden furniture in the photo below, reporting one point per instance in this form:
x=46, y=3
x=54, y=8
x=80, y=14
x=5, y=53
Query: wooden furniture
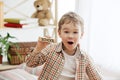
x=6, y=66
x=30, y=34
x=1, y=14
x=15, y=9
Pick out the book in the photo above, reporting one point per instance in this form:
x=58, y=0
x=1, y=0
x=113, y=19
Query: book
x=13, y=25
x=21, y=21
x=16, y=25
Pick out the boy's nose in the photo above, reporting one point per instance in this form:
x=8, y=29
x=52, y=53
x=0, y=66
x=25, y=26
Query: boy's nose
x=71, y=35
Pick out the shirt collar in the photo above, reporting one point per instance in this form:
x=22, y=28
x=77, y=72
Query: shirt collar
x=59, y=47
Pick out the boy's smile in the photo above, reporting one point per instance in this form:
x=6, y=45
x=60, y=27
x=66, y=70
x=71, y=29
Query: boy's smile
x=70, y=42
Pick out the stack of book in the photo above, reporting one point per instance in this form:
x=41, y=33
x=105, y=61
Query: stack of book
x=20, y=23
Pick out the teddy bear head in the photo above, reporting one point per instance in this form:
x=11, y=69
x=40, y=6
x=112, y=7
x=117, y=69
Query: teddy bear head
x=43, y=12
x=42, y=4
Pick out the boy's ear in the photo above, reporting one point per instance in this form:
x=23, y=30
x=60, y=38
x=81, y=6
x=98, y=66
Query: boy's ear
x=59, y=33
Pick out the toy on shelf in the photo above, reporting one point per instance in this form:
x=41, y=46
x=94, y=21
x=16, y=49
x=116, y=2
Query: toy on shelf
x=43, y=12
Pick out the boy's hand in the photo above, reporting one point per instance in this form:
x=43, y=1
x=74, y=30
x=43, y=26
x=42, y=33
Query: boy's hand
x=42, y=43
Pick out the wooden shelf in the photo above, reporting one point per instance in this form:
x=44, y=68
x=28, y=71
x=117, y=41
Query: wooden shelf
x=6, y=66
x=31, y=33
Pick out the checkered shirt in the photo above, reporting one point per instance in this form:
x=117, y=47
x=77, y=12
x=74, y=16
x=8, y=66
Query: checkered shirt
x=54, y=61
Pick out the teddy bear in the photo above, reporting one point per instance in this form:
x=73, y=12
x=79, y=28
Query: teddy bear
x=43, y=12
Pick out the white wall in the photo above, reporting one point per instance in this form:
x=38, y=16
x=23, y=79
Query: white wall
x=104, y=33
x=18, y=8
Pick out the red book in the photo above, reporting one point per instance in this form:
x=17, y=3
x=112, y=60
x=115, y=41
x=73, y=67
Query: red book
x=13, y=25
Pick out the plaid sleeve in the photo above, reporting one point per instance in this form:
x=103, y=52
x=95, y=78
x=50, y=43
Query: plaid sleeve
x=91, y=71
x=35, y=59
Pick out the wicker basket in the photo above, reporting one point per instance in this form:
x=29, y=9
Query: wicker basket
x=23, y=50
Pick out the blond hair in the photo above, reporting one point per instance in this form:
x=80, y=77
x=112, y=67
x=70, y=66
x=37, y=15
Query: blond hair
x=71, y=17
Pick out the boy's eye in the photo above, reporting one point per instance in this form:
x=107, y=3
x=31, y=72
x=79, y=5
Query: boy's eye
x=66, y=31
x=75, y=32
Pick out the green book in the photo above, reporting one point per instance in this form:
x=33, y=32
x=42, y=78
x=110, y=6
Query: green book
x=13, y=20
x=21, y=21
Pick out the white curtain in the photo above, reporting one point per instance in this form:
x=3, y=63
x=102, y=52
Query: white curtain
x=83, y=8
x=102, y=28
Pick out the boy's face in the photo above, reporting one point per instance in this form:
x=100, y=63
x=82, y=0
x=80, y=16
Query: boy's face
x=70, y=35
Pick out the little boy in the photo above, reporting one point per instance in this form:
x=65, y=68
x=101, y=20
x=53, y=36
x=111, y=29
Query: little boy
x=65, y=60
